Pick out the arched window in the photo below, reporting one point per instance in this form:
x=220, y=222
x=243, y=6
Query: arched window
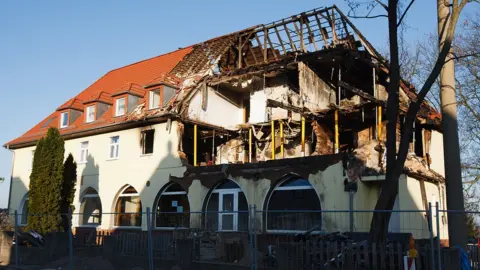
x=128, y=209
x=293, y=206
x=227, y=208
x=23, y=210
x=90, y=208
x=173, y=208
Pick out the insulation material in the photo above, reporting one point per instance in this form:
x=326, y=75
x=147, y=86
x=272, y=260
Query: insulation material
x=258, y=107
x=233, y=151
x=285, y=95
x=365, y=136
x=316, y=94
x=369, y=155
x=324, y=143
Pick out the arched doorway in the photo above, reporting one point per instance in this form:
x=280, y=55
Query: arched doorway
x=227, y=208
x=128, y=208
x=90, y=208
x=293, y=205
x=172, y=208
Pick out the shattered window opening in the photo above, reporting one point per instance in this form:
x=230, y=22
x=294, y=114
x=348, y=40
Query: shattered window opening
x=173, y=208
x=293, y=206
x=148, y=137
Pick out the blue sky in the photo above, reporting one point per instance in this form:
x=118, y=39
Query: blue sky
x=52, y=50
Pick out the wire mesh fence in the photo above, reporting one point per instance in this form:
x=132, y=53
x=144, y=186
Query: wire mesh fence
x=252, y=239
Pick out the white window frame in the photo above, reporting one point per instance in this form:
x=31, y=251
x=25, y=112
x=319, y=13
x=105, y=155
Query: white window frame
x=167, y=193
x=221, y=192
x=117, y=148
x=89, y=110
x=82, y=150
x=150, y=99
x=62, y=116
x=128, y=195
x=279, y=187
x=117, y=102
x=101, y=213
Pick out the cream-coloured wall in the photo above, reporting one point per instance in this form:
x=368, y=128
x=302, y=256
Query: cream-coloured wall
x=219, y=111
x=108, y=176
x=410, y=198
x=436, y=153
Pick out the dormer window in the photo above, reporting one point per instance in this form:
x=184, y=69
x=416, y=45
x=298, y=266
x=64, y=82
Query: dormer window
x=154, y=99
x=120, y=107
x=90, y=114
x=64, y=120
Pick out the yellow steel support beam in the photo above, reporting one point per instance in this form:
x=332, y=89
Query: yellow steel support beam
x=195, y=145
x=250, y=145
x=337, y=146
x=273, y=139
x=303, y=136
x=281, y=139
x=379, y=124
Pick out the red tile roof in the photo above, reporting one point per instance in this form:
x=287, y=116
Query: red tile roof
x=129, y=77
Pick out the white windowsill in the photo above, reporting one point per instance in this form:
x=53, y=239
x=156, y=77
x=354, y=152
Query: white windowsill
x=146, y=155
x=88, y=226
x=112, y=159
x=81, y=162
x=127, y=227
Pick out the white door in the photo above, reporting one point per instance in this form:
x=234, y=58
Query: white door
x=228, y=211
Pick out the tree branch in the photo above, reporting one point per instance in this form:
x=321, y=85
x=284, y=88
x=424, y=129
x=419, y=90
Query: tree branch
x=405, y=13
x=368, y=16
x=382, y=4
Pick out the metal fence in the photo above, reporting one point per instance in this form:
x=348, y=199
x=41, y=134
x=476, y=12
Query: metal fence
x=251, y=239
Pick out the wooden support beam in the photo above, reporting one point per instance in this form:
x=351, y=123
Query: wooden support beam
x=278, y=104
x=360, y=93
x=292, y=45
x=253, y=54
x=334, y=30
x=320, y=28
x=300, y=35
x=280, y=40
x=240, y=50
x=260, y=46
x=265, y=51
x=271, y=47
x=312, y=37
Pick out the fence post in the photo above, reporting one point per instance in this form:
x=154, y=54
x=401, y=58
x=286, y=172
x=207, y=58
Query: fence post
x=70, y=239
x=255, y=237
x=250, y=233
x=15, y=230
x=430, y=222
x=439, y=259
x=150, y=243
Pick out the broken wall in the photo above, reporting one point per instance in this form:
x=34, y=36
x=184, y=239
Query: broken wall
x=314, y=91
x=259, y=113
x=216, y=111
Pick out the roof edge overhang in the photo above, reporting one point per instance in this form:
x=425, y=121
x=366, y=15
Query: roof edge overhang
x=101, y=130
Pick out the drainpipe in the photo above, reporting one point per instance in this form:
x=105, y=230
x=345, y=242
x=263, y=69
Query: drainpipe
x=336, y=132
x=303, y=136
x=273, y=139
x=11, y=178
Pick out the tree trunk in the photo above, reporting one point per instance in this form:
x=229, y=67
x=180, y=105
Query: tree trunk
x=453, y=174
x=380, y=220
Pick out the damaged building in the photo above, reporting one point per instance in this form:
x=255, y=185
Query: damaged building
x=285, y=116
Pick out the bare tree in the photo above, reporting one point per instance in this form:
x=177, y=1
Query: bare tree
x=396, y=159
